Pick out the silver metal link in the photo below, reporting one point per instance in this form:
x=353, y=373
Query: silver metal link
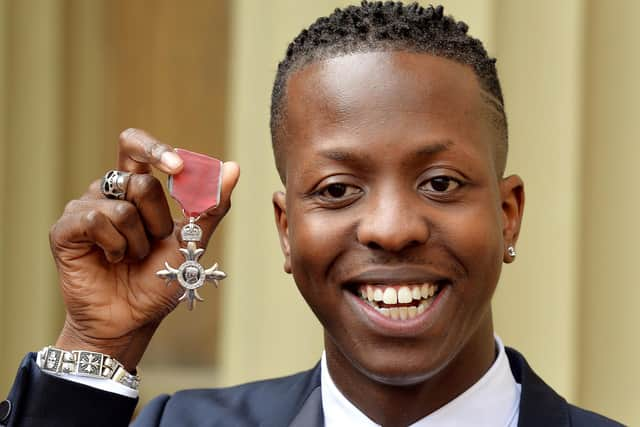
x=85, y=364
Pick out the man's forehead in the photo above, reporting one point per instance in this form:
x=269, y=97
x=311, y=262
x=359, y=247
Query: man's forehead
x=382, y=79
x=382, y=93
x=358, y=92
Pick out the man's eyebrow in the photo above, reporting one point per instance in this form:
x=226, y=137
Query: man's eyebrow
x=344, y=156
x=362, y=160
x=427, y=151
x=433, y=148
x=351, y=157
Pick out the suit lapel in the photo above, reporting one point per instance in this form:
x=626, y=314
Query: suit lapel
x=300, y=405
x=310, y=414
x=539, y=404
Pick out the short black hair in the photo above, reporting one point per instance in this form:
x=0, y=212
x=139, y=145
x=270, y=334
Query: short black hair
x=388, y=26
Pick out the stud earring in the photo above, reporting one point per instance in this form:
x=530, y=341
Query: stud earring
x=511, y=251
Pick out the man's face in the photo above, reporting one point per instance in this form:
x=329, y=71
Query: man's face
x=391, y=187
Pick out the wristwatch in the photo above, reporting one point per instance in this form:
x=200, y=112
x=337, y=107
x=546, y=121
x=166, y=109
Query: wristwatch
x=85, y=364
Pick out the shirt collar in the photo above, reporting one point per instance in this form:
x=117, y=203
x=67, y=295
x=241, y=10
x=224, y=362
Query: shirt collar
x=472, y=407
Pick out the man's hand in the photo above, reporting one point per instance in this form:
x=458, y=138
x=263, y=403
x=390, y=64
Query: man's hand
x=108, y=251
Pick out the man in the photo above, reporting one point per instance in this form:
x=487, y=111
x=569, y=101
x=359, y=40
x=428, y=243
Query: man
x=390, y=137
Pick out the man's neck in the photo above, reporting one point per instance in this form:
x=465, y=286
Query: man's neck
x=393, y=405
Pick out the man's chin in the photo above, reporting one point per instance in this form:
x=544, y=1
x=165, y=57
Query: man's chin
x=400, y=376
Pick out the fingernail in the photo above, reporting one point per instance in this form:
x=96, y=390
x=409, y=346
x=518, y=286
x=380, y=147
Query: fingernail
x=171, y=160
x=127, y=132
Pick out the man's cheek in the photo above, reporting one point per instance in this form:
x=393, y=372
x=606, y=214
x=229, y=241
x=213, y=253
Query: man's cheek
x=318, y=231
x=474, y=238
x=312, y=242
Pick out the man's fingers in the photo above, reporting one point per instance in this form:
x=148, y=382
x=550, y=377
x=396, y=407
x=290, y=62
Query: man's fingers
x=210, y=219
x=146, y=193
x=103, y=233
x=124, y=216
x=145, y=213
x=138, y=150
x=114, y=226
x=80, y=228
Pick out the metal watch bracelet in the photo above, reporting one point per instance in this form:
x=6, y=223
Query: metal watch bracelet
x=85, y=364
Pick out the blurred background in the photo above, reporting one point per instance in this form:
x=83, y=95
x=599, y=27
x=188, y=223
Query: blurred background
x=198, y=74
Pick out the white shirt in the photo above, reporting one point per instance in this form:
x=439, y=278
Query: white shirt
x=493, y=401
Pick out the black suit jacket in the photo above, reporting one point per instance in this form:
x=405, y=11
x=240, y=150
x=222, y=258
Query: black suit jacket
x=39, y=399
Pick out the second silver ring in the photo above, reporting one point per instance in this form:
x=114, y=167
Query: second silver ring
x=114, y=184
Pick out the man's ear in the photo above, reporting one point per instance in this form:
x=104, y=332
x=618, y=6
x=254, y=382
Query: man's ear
x=280, y=212
x=512, y=192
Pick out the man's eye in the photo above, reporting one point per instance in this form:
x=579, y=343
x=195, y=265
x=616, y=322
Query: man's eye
x=441, y=184
x=338, y=191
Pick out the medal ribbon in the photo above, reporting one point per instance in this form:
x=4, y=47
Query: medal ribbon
x=197, y=187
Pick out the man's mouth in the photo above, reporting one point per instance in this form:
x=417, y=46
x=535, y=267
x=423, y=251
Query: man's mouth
x=399, y=301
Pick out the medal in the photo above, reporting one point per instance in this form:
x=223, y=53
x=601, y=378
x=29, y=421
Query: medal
x=197, y=189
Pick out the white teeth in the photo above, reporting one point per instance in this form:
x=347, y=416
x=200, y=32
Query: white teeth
x=390, y=296
x=373, y=294
x=404, y=295
x=424, y=291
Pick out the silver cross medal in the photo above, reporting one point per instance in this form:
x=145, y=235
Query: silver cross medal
x=197, y=188
x=191, y=274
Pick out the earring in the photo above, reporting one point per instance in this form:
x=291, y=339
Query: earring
x=511, y=251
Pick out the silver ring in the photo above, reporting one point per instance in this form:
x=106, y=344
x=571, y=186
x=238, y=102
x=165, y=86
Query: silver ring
x=114, y=184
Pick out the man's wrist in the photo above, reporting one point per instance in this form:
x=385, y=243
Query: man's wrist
x=124, y=349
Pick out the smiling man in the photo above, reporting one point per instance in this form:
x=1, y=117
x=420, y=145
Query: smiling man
x=390, y=138
x=394, y=224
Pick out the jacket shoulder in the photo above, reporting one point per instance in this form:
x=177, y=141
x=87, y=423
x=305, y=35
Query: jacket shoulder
x=581, y=417
x=244, y=394
x=247, y=404
x=541, y=405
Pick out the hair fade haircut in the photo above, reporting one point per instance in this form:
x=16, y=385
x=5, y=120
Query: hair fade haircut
x=388, y=26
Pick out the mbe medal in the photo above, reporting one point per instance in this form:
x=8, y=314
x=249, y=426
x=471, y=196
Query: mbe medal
x=197, y=189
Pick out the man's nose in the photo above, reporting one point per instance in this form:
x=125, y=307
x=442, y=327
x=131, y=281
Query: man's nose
x=393, y=221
